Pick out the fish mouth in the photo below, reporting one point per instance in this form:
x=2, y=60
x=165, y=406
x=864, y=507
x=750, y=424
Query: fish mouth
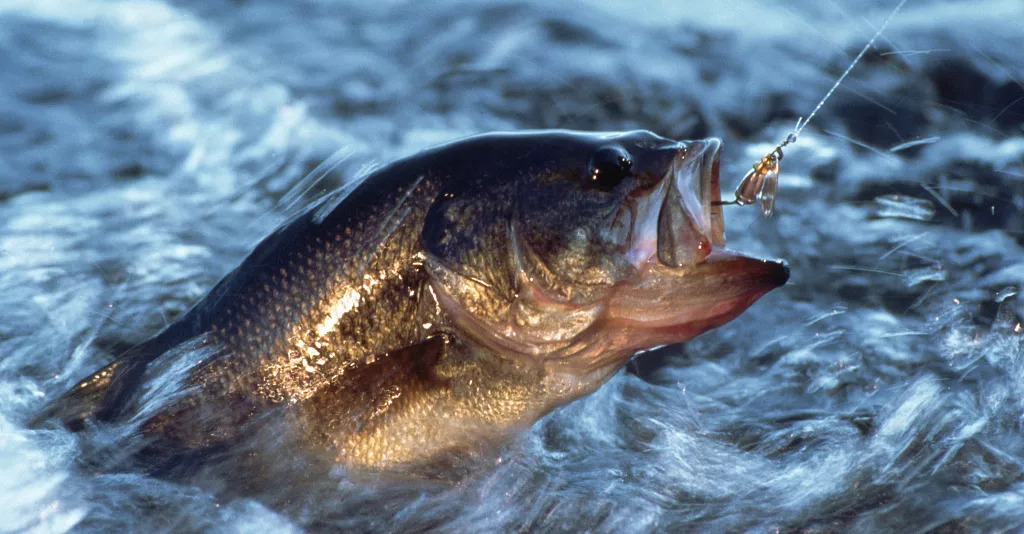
x=686, y=281
x=678, y=221
x=690, y=218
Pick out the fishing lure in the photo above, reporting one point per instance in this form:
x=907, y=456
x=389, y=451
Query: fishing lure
x=762, y=181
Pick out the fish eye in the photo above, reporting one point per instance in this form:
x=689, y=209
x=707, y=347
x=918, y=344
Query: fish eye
x=608, y=167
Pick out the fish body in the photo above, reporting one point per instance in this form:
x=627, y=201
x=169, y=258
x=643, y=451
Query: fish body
x=445, y=301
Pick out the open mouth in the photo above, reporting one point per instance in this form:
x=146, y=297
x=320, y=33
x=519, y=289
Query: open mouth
x=689, y=282
x=679, y=221
x=689, y=219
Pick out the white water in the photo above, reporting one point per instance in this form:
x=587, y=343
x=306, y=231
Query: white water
x=145, y=147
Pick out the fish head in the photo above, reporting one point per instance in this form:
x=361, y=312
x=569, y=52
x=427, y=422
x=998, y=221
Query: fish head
x=577, y=250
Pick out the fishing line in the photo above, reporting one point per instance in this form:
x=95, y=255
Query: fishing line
x=800, y=124
x=762, y=181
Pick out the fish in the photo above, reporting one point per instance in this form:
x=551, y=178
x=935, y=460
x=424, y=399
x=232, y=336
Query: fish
x=443, y=303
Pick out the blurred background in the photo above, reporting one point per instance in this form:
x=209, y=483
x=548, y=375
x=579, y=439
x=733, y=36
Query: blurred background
x=147, y=145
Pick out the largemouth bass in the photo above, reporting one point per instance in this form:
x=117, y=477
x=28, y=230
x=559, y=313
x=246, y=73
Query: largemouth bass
x=445, y=302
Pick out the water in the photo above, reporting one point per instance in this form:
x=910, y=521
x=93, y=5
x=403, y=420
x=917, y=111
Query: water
x=147, y=146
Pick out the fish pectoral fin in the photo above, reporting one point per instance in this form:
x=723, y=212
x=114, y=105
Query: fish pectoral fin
x=81, y=402
x=367, y=392
x=410, y=365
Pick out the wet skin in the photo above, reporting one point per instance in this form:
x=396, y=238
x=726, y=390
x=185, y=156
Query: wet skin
x=446, y=301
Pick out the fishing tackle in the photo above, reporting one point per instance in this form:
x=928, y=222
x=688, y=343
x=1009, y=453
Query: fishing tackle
x=762, y=181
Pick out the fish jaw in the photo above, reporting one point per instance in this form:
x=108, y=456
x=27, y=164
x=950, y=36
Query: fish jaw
x=665, y=305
